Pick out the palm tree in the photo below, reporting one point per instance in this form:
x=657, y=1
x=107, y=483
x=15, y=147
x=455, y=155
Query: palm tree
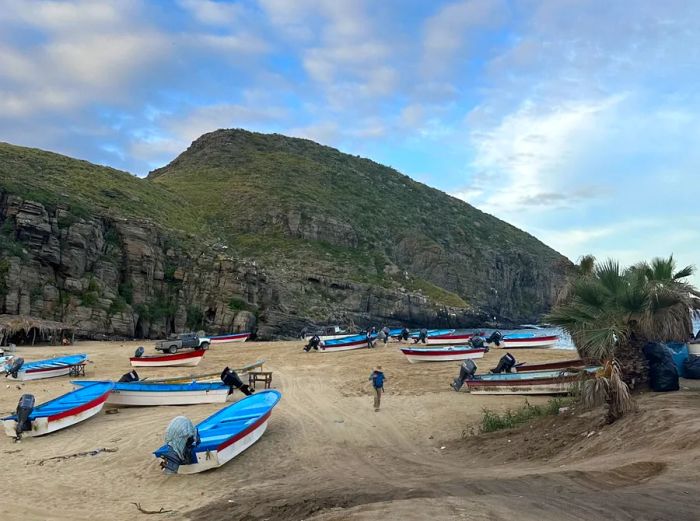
x=611, y=313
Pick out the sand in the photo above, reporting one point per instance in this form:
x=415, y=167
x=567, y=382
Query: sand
x=328, y=456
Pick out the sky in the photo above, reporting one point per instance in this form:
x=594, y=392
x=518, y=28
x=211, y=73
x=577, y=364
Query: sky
x=575, y=120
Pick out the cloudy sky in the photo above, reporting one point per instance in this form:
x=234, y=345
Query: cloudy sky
x=576, y=120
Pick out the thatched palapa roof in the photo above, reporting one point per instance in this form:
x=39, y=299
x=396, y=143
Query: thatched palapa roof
x=11, y=324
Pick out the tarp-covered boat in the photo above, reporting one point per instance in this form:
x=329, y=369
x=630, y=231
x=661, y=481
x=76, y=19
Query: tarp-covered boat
x=18, y=369
x=183, y=359
x=145, y=393
x=537, y=382
x=219, y=438
x=442, y=354
x=56, y=414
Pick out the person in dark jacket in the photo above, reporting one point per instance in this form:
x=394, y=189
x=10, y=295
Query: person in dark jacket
x=422, y=336
x=405, y=333
x=314, y=343
x=371, y=337
x=386, y=332
x=478, y=341
x=377, y=378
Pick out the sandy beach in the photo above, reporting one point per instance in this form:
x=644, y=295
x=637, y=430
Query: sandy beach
x=328, y=456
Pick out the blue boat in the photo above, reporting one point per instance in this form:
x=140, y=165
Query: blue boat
x=56, y=414
x=219, y=438
x=347, y=343
x=51, y=367
x=145, y=394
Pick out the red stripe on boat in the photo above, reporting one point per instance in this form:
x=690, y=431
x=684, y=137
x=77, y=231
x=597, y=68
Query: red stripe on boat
x=244, y=432
x=533, y=339
x=450, y=336
x=167, y=358
x=78, y=410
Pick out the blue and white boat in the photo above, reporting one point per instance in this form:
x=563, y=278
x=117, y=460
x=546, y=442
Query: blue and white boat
x=219, y=438
x=56, y=414
x=346, y=343
x=145, y=394
x=49, y=368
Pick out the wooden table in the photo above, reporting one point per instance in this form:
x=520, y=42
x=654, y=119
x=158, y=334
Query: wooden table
x=77, y=370
x=260, y=376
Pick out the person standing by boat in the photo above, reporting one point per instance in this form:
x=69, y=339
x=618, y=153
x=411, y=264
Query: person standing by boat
x=381, y=336
x=377, y=378
x=371, y=336
x=405, y=333
x=422, y=336
x=314, y=342
x=386, y=332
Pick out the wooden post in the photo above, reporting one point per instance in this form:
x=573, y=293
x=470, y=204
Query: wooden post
x=33, y=335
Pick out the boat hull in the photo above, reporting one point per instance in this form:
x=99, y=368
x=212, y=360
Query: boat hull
x=40, y=374
x=155, y=398
x=344, y=347
x=525, y=342
x=556, y=385
x=441, y=355
x=547, y=366
x=48, y=424
x=229, y=339
x=227, y=450
x=188, y=359
x=448, y=339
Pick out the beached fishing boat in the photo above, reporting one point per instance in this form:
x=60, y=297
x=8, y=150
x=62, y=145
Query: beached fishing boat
x=538, y=382
x=221, y=437
x=228, y=339
x=184, y=359
x=17, y=369
x=441, y=354
x=346, y=343
x=206, y=377
x=446, y=338
x=56, y=414
x=548, y=366
x=145, y=393
x=519, y=340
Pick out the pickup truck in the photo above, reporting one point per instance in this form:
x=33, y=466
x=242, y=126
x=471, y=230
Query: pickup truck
x=182, y=341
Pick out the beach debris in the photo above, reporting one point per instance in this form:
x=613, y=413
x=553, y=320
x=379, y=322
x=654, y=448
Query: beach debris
x=144, y=511
x=590, y=434
x=340, y=421
x=562, y=410
x=77, y=455
x=112, y=411
x=443, y=447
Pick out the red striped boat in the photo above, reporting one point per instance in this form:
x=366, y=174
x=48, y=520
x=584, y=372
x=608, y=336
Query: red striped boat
x=448, y=338
x=441, y=354
x=183, y=359
x=228, y=339
x=61, y=412
x=516, y=340
x=537, y=382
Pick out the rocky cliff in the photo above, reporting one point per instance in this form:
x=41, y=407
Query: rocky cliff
x=249, y=231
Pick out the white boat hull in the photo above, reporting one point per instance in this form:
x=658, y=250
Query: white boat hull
x=448, y=340
x=333, y=349
x=521, y=343
x=185, y=362
x=228, y=340
x=549, y=388
x=216, y=458
x=447, y=357
x=45, y=425
x=155, y=398
x=23, y=376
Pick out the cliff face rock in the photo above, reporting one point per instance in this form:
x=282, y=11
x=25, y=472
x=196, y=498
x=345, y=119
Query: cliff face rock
x=248, y=231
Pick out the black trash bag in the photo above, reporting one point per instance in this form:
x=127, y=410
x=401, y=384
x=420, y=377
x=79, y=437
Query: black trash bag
x=663, y=373
x=131, y=376
x=692, y=367
x=25, y=406
x=505, y=364
x=139, y=352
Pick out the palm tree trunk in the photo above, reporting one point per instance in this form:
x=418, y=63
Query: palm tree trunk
x=633, y=363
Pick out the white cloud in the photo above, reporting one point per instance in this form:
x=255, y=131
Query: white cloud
x=214, y=13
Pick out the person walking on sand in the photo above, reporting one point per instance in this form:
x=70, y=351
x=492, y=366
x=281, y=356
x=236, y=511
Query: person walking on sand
x=386, y=332
x=377, y=378
x=422, y=336
x=371, y=337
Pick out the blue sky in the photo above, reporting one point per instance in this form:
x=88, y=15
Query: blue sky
x=577, y=121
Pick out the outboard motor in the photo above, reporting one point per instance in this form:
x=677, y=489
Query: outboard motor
x=466, y=372
x=25, y=406
x=495, y=338
x=17, y=364
x=139, y=352
x=181, y=439
x=231, y=378
x=131, y=376
x=505, y=364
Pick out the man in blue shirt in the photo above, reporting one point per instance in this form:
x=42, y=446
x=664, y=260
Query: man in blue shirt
x=377, y=378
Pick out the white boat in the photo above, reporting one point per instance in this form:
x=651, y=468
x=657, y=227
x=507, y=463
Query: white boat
x=229, y=338
x=532, y=340
x=441, y=354
x=183, y=359
x=146, y=394
x=40, y=369
x=538, y=382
